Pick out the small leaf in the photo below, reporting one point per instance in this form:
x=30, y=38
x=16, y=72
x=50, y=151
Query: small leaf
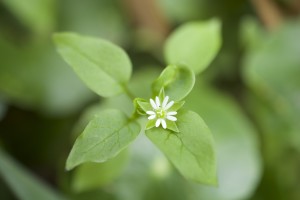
x=142, y=106
x=191, y=150
x=177, y=82
x=172, y=126
x=102, y=66
x=161, y=94
x=24, y=185
x=103, y=138
x=150, y=124
x=194, y=44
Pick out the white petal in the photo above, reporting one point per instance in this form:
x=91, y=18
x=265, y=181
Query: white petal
x=169, y=105
x=163, y=123
x=171, y=113
x=157, y=122
x=157, y=101
x=171, y=118
x=151, y=116
x=165, y=102
x=153, y=104
x=150, y=112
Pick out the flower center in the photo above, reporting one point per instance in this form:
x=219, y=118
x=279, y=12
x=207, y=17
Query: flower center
x=160, y=113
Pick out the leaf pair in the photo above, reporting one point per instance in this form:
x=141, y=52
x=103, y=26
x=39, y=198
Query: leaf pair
x=106, y=69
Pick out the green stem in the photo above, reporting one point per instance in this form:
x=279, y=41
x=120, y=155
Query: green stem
x=128, y=92
x=134, y=115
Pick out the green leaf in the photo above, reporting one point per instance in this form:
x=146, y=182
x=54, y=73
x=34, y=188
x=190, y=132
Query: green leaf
x=177, y=82
x=104, y=67
x=191, y=150
x=36, y=15
x=142, y=105
x=172, y=126
x=24, y=185
x=181, y=11
x=237, y=145
x=150, y=124
x=104, y=137
x=80, y=17
x=194, y=44
x=272, y=72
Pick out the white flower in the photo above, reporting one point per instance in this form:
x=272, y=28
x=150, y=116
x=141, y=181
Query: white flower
x=160, y=111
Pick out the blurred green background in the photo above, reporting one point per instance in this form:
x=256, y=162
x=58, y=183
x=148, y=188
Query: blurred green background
x=249, y=96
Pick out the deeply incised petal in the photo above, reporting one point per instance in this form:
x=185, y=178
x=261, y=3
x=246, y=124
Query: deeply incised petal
x=171, y=113
x=158, y=123
x=150, y=112
x=151, y=116
x=165, y=102
x=157, y=101
x=169, y=105
x=171, y=118
x=163, y=123
x=153, y=104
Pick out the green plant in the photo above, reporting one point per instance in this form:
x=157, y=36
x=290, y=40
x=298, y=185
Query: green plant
x=106, y=69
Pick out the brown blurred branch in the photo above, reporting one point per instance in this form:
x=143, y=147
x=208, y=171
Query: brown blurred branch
x=295, y=7
x=146, y=15
x=269, y=13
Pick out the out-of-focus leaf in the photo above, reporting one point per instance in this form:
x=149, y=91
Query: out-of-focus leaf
x=177, y=82
x=23, y=183
x=183, y=10
x=104, y=137
x=194, y=44
x=273, y=72
x=102, y=66
x=5, y=192
x=191, y=150
x=35, y=14
x=2, y=110
x=90, y=176
x=141, y=81
x=35, y=77
x=252, y=34
x=94, y=194
x=238, y=158
x=103, y=19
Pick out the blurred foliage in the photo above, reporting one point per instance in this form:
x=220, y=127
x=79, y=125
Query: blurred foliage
x=249, y=96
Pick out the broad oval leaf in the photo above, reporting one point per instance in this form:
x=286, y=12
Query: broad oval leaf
x=191, y=150
x=176, y=80
x=194, y=44
x=103, y=66
x=237, y=145
x=104, y=137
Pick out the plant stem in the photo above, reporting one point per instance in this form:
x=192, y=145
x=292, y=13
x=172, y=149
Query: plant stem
x=128, y=92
